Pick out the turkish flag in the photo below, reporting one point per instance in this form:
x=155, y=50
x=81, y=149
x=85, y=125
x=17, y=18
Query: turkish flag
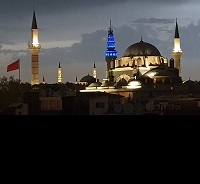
x=13, y=66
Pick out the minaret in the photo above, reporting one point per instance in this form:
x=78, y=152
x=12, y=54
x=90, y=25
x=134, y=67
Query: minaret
x=43, y=81
x=177, y=52
x=59, y=74
x=35, y=49
x=95, y=72
x=111, y=53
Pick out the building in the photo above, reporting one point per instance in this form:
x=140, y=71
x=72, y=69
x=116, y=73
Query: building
x=142, y=72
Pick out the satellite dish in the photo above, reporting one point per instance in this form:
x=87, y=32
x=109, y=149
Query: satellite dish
x=118, y=108
x=128, y=108
x=150, y=106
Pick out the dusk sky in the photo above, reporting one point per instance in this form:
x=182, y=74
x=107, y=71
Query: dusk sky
x=74, y=33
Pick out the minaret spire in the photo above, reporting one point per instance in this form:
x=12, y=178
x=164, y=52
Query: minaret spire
x=177, y=52
x=95, y=72
x=59, y=74
x=34, y=22
x=110, y=31
x=43, y=81
x=35, y=49
x=176, y=31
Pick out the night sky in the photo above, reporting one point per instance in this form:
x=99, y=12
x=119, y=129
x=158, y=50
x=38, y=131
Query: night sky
x=74, y=33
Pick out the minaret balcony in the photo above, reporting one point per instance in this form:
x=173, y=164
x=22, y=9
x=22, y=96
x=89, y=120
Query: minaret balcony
x=34, y=50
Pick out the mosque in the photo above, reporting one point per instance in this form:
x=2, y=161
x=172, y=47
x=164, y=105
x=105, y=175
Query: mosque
x=141, y=70
x=141, y=81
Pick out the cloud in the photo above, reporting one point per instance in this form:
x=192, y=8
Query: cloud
x=20, y=7
x=92, y=47
x=154, y=21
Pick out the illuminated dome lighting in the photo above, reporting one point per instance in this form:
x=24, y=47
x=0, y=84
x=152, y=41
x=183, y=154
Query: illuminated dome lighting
x=159, y=72
x=134, y=85
x=141, y=49
x=95, y=84
x=151, y=74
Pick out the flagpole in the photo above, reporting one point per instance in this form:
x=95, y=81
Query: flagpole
x=19, y=70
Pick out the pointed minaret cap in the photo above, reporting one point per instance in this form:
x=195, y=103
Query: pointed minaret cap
x=59, y=65
x=176, y=31
x=34, y=22
x=110, y=31
x=94, y=65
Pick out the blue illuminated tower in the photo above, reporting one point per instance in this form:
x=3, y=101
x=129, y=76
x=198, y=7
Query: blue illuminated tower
x=111, y=53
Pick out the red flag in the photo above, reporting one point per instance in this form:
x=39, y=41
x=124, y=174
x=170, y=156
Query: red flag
x=13, y=66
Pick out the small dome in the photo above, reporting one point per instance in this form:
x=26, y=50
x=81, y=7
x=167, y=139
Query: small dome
x=89, y=79
x=141, y=49
x=135, y=83
x=190, y=86
x=190, y=83
x=159, y=72
x=95, y=84
x=121, y=83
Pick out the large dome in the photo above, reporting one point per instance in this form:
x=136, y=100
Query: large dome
x=141, y=49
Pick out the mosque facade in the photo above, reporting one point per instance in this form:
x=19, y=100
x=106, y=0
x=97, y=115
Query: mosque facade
x=142, y=68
